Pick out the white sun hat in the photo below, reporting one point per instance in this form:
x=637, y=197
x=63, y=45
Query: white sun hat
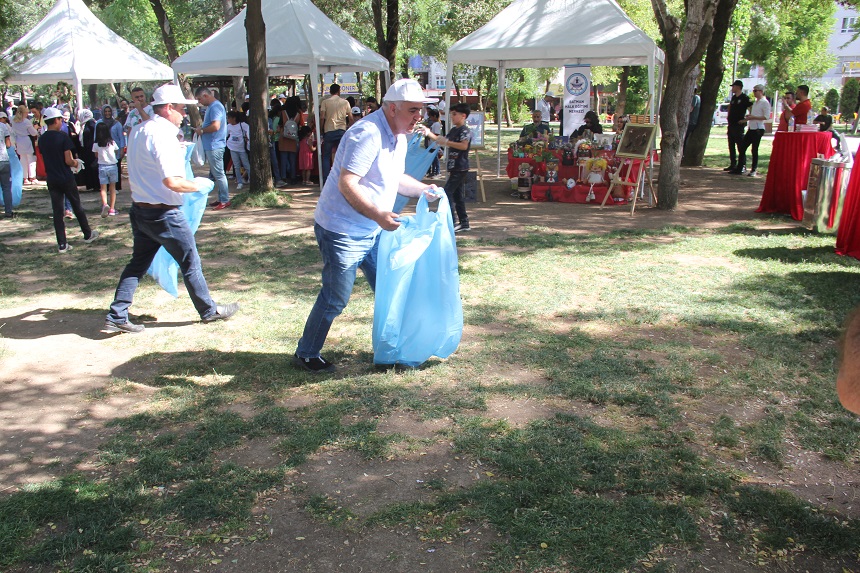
x=407, y=90
x=170, y=93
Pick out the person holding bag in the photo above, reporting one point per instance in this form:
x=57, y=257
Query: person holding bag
x=356, y=205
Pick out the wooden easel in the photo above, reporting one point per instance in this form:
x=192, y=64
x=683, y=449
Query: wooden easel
x=636, y=144
x=480, y=175
x=620, y=179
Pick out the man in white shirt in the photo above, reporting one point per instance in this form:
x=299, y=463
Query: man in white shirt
x=545, y=106
x=156, y=175
x=140, y=112
x=758, y=114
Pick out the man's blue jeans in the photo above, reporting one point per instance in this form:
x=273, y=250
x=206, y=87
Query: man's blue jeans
x=6, y=183
x=215, y=157
x=151, y=229
x=331, y=139
x=342, y=257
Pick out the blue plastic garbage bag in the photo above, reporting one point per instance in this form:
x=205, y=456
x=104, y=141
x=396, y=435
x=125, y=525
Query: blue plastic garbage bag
x=418, y=160
x=17, y=179
x=164, y=269
x=417, y=313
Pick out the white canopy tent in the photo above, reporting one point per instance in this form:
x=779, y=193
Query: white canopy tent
x=553, y=33
x=76, y=47
x=299, y=39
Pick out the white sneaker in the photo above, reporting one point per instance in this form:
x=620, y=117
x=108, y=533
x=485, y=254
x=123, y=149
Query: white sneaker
x=239, y=186
x=93, y=236
x=66, y=249
x=105, y=211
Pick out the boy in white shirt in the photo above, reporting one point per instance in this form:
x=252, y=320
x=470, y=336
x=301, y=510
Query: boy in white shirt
x=759, y=113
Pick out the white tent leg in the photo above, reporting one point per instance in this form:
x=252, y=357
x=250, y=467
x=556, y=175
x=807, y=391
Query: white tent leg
x=79, y=91
x=652, y=94
x=449, y=81
x=500, y=103
x=317, y=127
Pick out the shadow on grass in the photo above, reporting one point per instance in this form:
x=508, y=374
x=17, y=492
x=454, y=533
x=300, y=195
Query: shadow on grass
x=821, y=255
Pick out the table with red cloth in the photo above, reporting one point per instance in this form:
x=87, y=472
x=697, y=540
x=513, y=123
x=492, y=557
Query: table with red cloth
x=538, y=165
x=788, y=171
x=848, y=234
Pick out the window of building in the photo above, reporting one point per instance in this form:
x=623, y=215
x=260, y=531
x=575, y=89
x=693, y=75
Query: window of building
x=440, y=83
x=848, y=25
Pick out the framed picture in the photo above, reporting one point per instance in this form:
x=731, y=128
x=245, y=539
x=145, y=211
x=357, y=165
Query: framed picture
x=636, y=140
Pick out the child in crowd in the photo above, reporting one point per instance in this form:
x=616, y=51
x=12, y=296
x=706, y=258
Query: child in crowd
x=238, y=142
x=307, y=148
x=106, y=149
x=458, y=142
x=433, y=124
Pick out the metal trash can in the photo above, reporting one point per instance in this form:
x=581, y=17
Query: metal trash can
x=825, y=194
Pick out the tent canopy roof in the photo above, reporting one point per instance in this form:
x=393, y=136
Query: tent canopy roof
x=297, y=34
x=73, y=44
x=552, y=33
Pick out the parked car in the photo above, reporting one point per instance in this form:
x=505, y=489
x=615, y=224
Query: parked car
x=721, y=115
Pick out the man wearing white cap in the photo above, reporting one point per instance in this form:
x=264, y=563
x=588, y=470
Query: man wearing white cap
x=156, y=175
x=355, y=204
x=545, y=106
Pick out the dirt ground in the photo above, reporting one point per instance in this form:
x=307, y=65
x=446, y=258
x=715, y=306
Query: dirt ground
x=55, y=361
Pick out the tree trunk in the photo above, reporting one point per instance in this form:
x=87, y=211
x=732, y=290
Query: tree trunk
x=93, y=94
x=682, y=56
x=709, y=91
x=172, y=54
x=507, y=111
x=623, y=79
x=258, y=85
x=387, y=33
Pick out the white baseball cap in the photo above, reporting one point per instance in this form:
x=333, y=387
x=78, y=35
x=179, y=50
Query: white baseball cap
x=407, y=90
x=356, y=110
x=3, y=114
x=51, y=113
x=170, y=93
x=549, y=94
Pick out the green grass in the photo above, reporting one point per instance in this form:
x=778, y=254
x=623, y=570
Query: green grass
x=630, y=340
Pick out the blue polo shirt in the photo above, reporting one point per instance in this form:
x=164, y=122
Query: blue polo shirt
x=215, y=139
x=370, y=150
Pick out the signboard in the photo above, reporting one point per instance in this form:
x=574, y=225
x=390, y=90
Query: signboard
x=475, y=121
x=577, y=96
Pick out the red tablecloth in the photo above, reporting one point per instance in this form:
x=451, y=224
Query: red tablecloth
x=577, y=194
x=788, y=171
x=848, y=235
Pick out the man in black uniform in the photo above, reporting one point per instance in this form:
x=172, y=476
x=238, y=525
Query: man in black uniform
x=738, y=107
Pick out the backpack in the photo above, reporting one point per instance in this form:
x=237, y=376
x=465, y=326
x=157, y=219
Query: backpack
x=291, y=129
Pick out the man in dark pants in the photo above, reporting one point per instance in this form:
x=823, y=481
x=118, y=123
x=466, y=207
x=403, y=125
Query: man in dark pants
x=56, y=147
x=759, y=113
x=738, y=106
x=693, y=118
x=156, y=175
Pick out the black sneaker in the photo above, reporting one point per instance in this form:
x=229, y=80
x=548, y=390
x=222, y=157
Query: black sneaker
x=223, y=312
x=315, y=365
x=111, y=326
x=730, y=168
x=458, y=228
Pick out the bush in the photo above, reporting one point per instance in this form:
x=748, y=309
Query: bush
x=848, y=99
